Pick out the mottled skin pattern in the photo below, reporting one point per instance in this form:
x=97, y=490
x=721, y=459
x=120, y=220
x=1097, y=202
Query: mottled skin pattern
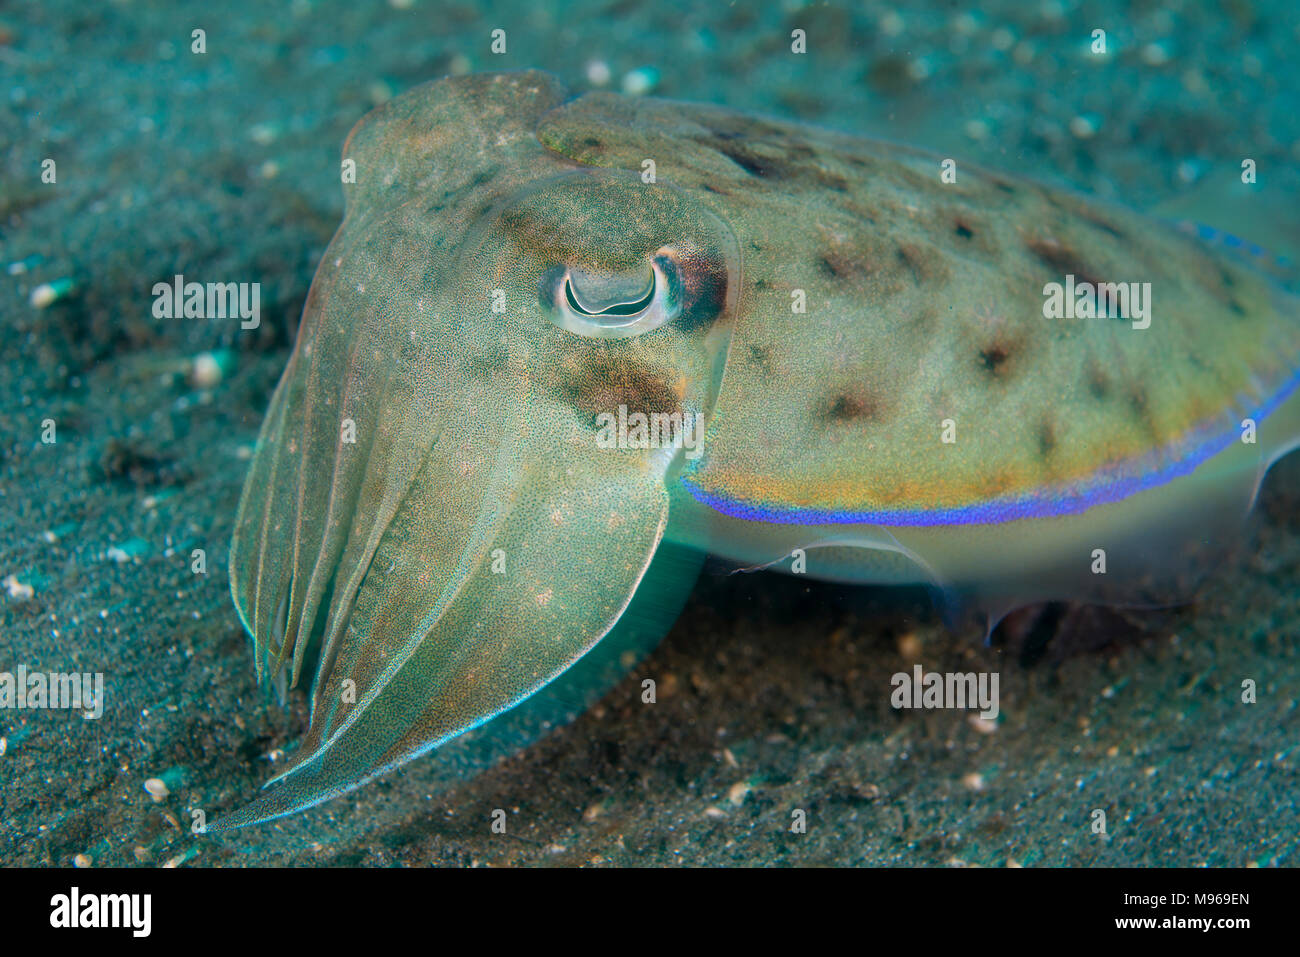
x=428, y=523
x=925, y=302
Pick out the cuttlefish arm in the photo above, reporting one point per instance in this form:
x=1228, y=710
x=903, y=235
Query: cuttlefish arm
x=431, y=523
x=429, y=655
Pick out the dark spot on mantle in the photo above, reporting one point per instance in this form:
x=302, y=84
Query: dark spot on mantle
x=602, y=381
x=1140, y=404
x=1062, y=262
x=769, y=152
x=761, y=356
x=1046, y=437
x=1098, y=382
x=751, y=163
x=923, y=263
x=852, y=407
x=841, y=264
x=994, y=358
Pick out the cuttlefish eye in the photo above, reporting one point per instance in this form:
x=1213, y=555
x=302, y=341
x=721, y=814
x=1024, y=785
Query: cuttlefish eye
x=601, y=255
x=614, y=304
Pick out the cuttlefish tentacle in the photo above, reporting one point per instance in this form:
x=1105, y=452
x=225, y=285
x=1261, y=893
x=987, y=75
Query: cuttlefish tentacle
x=575, y=547
x=485, y=554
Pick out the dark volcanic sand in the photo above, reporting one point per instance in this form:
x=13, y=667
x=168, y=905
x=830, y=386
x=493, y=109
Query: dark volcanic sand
x=773, y=691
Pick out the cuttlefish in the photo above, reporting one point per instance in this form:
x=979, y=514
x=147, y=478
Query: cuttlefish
x=555, y=335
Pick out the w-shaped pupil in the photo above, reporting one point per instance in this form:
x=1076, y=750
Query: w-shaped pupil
x=618, y=307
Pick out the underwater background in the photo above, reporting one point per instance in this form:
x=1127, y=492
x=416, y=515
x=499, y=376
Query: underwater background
x=223, y=166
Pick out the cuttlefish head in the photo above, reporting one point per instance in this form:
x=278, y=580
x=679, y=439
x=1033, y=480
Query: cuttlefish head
x=433, y=527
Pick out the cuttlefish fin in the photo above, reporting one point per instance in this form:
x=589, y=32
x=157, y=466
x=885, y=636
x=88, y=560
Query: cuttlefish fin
x=552, y=567
x=1244, y=220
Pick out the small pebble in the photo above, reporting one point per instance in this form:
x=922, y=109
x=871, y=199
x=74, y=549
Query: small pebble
x=208, y=368
x=983, y=725
x=891, y=24
x=206, y=372
x=868, y=792
x=738, y=792
x=82, y=860
x=263, y=134
x=965, y=24
x=640, y=82
x=1083, y=127
x=48, y=293
x=18, y=591
x=598, y=73
x=1155, y=54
